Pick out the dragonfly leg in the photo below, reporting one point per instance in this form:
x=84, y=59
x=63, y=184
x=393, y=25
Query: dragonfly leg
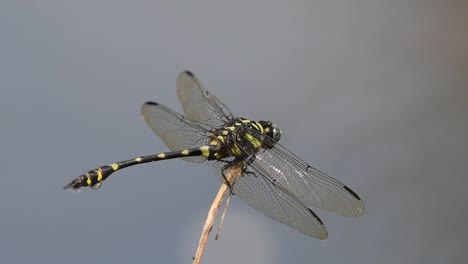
x=225, y=168
x=247, y=162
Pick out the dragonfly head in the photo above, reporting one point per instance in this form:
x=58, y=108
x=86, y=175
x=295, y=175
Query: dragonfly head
x=276, y=132
x=272, y=130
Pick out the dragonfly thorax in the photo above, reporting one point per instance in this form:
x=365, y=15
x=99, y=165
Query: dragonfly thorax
x=241, y=138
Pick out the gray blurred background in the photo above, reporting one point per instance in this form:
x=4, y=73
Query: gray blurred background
x=374, y=93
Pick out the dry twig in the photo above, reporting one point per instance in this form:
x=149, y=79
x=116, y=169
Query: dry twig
x=223, y=215
x=232, y=175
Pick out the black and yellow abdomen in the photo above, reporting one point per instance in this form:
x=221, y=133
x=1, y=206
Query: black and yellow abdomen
x=94, y=178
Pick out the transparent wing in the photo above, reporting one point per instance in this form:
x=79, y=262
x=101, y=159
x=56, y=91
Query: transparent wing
x=176, y=130
x=198, y=103
x=275, y=202
x=310, y=185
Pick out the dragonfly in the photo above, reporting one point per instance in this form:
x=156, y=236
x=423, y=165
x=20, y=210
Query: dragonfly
x=272, y=180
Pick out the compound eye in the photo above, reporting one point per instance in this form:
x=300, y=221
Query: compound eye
x=276, y=135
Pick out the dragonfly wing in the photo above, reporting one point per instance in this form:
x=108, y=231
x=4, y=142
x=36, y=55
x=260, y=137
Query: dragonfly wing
x=276, y=202
x=305, y=182
x=176, y=130
x=199, y=104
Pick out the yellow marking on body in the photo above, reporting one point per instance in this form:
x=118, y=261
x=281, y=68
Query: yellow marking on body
x=205, y=151
x=237, y=124
x=114, y=166
x=184, y=152
x=214, y=143
x=245, y=121
x=253, y=140
x=235, y=150
x=220, y=138
x=260, y=127
x=231, y=128
x=255, y=126
x=138, y=159
x=267, y=129
x=88, y=181
x=99, y=175
x=225, y=132
x=162, y=156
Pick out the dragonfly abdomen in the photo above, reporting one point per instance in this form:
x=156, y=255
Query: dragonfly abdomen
x=94, y=178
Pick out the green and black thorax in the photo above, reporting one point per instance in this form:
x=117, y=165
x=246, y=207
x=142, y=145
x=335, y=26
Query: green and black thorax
x=241, y=138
